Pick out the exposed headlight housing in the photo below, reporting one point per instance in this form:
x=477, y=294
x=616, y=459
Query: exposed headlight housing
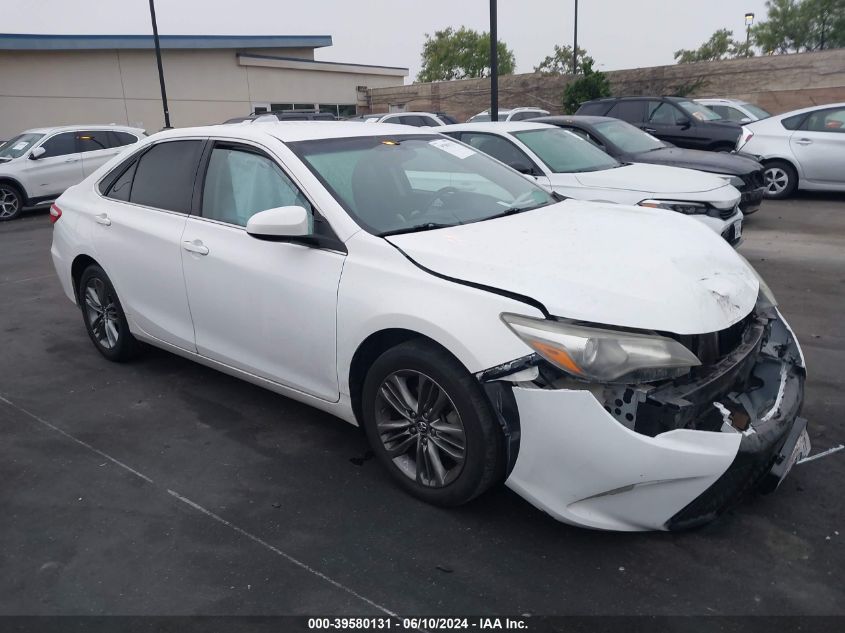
x=599, y=355
x=681, y=206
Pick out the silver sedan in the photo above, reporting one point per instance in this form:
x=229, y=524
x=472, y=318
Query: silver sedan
x=802, y=149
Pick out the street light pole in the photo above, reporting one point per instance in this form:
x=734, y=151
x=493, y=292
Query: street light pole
x=575, y=43
x=160, y=69
x=494, y=64
x=749, y=20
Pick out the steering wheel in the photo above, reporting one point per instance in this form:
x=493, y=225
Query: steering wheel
x=439, y=194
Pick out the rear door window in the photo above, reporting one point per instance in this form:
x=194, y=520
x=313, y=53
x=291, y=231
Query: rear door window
x=832, y=120
x=119, y=139
x=631, y=111
x=164, y=177
x=93, y=140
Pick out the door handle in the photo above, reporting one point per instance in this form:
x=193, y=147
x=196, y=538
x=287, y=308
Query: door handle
x=71, y=160
x=102, y=219
x=650, y=130
x=195, y=246
x=804, y=141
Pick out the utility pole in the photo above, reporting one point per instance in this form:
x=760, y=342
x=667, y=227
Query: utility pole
x=494, y=64
x=160, y=69
x=575, y=43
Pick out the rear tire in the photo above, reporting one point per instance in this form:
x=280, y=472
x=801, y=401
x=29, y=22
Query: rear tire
x=104, y=318
x=430, y=424
x=781, y=179
x=11, y=202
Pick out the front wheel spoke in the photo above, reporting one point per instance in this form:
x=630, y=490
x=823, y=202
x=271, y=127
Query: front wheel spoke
x=394, y=435
x=401, y=385
x=444, y=427
x=401, y=448
x=111, y=332
x=455, y=451
x=92, y=299
x=391, y=425
x=395, y=402
x=422, y=464
x=436, y=465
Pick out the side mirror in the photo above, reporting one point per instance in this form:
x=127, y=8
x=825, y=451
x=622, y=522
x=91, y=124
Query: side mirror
x=745, y=119
x=685, y=124
x=37, y=153
x=522, y=168
x=279, y=224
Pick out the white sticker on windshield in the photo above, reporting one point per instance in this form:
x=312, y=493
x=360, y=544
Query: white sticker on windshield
x=455, y=149
x=21, y=145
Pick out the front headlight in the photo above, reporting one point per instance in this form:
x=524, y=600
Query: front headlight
x=736, y=181
x=765, y=298
x=681, y=206
x=600, y=355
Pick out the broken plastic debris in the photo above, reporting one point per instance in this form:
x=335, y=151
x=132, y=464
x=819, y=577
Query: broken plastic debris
x=829, y=451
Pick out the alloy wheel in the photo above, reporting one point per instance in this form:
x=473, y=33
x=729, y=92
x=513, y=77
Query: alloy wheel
x=420, y=428
x=101, y=312
x=9, y=203
x=777, y=180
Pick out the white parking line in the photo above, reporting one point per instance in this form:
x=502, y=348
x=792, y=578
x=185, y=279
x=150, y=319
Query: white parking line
x=208, y=513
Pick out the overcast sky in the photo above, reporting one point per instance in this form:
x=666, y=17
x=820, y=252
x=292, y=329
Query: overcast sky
x=617, y=33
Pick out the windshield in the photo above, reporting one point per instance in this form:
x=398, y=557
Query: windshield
x=18, y=145
x=480, y=118
x=628, y=138
x=700, y=112
x=416, y=182
x=564, y=152
x=757, y=111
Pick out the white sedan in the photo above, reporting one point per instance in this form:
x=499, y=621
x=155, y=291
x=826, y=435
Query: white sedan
x=620, y=368
x=572, y=166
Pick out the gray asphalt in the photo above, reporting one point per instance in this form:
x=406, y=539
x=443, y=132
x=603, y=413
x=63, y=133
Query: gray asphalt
x=162, y=487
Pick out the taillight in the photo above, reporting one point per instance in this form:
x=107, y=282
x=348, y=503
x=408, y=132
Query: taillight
x=55, y=214
x=744, y=138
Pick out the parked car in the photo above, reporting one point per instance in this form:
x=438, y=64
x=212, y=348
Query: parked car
x=735, y=110
x=676, y=120
x=37, y=165
x=285, y=115
x=628, y=144
x=619, y=370
x=415, y=119
x=802, y=149
x=574, y=167
x=509, y=114
x=447, y=119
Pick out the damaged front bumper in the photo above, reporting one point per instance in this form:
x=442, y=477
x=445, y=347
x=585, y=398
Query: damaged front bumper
x=664, y=457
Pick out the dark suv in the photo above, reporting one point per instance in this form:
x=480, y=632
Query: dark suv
x=676, y=120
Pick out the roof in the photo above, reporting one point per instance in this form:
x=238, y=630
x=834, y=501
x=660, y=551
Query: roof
x=83, y=126
x=39, y=42
x=572, y=119
x=499, y=127
x=510, y=110
x=292, y=131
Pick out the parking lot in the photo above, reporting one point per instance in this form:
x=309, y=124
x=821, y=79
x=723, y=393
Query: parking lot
x=163, y=487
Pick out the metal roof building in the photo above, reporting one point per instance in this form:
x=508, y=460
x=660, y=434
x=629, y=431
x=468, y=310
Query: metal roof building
x=68, y=79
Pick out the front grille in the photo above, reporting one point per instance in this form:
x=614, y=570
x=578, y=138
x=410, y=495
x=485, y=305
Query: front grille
x=754, y=180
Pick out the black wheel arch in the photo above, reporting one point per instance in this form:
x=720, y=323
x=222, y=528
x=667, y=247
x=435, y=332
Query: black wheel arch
x=80, y=263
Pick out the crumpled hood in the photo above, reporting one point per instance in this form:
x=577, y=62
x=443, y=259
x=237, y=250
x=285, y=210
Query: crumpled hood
x=609, y=264
x=651, y=179
x=715, y=162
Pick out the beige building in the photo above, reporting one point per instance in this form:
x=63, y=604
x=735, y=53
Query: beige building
x=68, y=79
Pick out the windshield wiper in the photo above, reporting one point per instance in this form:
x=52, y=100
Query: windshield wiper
x=425, y=226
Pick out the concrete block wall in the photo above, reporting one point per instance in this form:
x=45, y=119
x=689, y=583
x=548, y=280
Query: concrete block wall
x=778, y=83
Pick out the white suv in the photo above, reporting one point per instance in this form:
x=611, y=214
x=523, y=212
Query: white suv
x=37, y=166
x=512, y=114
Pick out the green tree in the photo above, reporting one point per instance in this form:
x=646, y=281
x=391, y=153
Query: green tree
x=593, y=84
x=721, y=45
x=461, y=54
x=793, y=26
x=560, y=62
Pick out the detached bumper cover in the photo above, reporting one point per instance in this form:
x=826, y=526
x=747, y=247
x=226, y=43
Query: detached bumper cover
x=686, y=453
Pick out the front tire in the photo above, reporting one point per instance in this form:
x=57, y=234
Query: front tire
x=11, y=202
x=781, y=179
x=103, y=315
x=430, y=424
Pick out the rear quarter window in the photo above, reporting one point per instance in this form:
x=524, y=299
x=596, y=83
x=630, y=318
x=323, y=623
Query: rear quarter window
x=793, y=122
x=164, y=176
